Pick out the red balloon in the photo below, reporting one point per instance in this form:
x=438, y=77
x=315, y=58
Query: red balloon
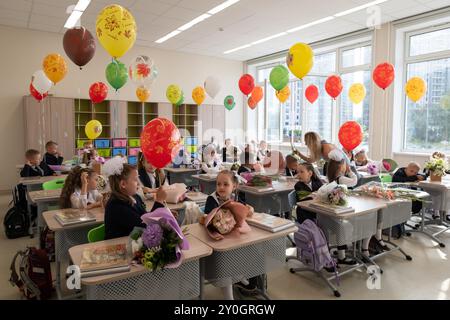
x=312, y=93
x=246, y=84
x=79, y=45
x=350, y=135
x=333, y=86
x=36, y=93
x=252, y=103
x=383, y=75
x=160, y=142
x=98, y=92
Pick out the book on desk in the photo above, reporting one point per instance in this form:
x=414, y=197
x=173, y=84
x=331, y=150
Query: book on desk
x=257, y=188
x=74, y=216
x=269, y=222
x=331, y=208
x=104, y=260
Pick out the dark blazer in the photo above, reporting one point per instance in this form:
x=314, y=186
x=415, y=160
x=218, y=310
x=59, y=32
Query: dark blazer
x=29, y=171
x=303, y=214
x=242, y=169
x=143, y=176
x=52, y=160
x=121, y=217
x=400, y=176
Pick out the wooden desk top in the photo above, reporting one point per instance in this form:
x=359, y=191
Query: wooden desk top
x=235, y=240
x=445, y=184
x=361, y=205
x=181, y=170
x=276, y=187
x=44, y=195
x=205, y=177
x=39, y=180
x=197, y=251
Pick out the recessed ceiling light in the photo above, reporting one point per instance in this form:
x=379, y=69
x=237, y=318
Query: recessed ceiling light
x=194, y=22
x=270, y=38
x=82, y=5
x=168, y=36
x=238, y=48
x=364, y=6
x=310, y=24
x=222, y=6
x=75, y=13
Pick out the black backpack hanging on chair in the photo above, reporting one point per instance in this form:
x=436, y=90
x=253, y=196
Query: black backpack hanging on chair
x=16, y=222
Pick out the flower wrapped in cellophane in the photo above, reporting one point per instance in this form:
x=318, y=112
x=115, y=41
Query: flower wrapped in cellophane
x=333, y=194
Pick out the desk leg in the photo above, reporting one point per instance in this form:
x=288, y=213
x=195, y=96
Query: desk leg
x=422, y=230
x=228, y=292
x=202, y=278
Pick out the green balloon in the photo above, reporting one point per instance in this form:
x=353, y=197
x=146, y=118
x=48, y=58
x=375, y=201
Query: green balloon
x=229, y=103
x=279, y=77
x=180, y=102
x=116, y=74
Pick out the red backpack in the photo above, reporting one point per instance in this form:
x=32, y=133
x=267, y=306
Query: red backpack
x=34, y=279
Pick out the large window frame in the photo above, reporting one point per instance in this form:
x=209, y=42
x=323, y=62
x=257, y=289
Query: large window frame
x=407, y=60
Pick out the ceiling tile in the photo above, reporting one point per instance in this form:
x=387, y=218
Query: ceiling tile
x=51, y=21
x=151, y=6
x=51, y=11
x=45, y=27
x=437, y=4
x=13, y=14
x=19, y=5
x=55, y=3
x=13, y=23
x=181, y=14
x=199, y=5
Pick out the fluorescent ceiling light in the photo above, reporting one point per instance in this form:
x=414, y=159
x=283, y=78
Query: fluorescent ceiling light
x=364, y=6
x=222, y=6
x=82, y=5
x=199, y=19
x=168, y=36
x=238, y=48
x=270, y=38
x=73, y=19
x=311, y=24
x=194, y=22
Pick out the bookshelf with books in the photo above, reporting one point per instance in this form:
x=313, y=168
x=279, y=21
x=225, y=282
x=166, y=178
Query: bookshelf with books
x=185, y=118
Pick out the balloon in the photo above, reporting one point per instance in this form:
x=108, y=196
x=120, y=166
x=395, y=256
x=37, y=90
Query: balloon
x=246, y=84
x=312, y=93
x=415, y=88
x=40, y=82
x=55, y=67
x=333, y=86
x=257, y=94
x=36, y=94
x=93, y=129
x=116, y=30
x=252, y=103
x=181, y=101
x=116, y=74
x=229, y=103
x=173, y=93
x=383, y=75
x=279, y=77
x=300, y=59
x=142, y=93
x=212, y=86
x=350, y=135
x=142, y=71
x=160, y=142
x=283, y=94
x=98, y=92
x=357, y=93
x=198, y=95
x=79, y=45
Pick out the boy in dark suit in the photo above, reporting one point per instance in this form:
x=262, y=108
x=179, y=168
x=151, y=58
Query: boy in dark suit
x=52, y=157
x=33, y=168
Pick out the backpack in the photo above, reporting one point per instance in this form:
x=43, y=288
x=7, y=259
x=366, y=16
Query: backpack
x=47, y=242
x=312, y=247
x=35, y=278
x=16, y=222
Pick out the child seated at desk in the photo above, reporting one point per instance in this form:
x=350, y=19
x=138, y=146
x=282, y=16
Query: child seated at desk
x=125, y=207
x=34, y=167
x=52, y=157
x=210, y=160
x=409, y=173
x=291, y=165
x=361, y=159
x=308, y=183
x=247, y=162
x=150, y=178
x=262, y=151
x=80, y=190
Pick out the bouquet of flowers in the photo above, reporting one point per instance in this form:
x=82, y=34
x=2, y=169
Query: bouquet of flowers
x=334, y=194
x=381, y=191
x=372, y=168
x=159, y=245
x=256, y=180
x=437, y=165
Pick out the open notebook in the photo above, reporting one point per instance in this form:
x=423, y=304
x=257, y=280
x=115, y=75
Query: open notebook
x=269, y=222
x=74, y=216
x=331, y=208
x=104, y=260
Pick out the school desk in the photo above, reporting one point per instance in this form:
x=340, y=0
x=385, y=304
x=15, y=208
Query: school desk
x=182, y=175
x=206, y=182
x=35, y=183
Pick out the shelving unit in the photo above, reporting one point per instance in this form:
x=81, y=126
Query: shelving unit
x=185, y=117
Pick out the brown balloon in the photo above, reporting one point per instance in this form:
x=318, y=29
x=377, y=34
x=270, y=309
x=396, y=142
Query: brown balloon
x=79, y=45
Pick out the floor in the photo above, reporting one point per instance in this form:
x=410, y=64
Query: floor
x=426, y=277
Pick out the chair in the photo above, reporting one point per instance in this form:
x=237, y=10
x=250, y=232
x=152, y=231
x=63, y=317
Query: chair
x=386, y=178
x=53, y=184
x=97, y=234
x=292, y=199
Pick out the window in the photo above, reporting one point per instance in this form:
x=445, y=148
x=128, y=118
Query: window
x=427, y=122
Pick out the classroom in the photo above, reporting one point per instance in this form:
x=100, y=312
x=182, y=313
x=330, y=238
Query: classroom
x=225, y=150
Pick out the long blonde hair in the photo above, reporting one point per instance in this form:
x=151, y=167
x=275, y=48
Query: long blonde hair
x=313, y=142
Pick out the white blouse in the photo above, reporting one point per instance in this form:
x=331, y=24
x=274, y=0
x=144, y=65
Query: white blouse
x=81, y=201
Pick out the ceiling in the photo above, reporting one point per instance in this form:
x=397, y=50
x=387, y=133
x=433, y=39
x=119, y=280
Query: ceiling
x=244, y=22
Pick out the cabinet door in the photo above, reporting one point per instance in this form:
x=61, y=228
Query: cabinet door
x=165, y=110
x=37, y=123
x=119, y=120
x=219, y=122
x=62, y=121
x=205, y=116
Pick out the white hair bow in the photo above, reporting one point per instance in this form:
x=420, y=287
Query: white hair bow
x=113, y=166
x=336, y=155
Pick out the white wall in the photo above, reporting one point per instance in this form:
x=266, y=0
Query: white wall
x=22, y=53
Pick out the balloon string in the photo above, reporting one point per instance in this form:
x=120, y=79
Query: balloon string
x=40, y=129
x=43, y=122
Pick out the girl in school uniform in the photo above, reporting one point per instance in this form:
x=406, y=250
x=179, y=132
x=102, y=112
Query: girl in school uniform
x=210, y=160
x=125, y=207
x=80, y=190
x=308, y=183
x=150, y=178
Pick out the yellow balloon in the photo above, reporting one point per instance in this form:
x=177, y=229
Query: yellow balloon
x=142, y=93
x=300, y=59
x=415, y=88
x=198, y=95
x=283, y=94
x=93, y=129
x=55, y=67
x=116, y=30
x=173, y=93
x=357, y=93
